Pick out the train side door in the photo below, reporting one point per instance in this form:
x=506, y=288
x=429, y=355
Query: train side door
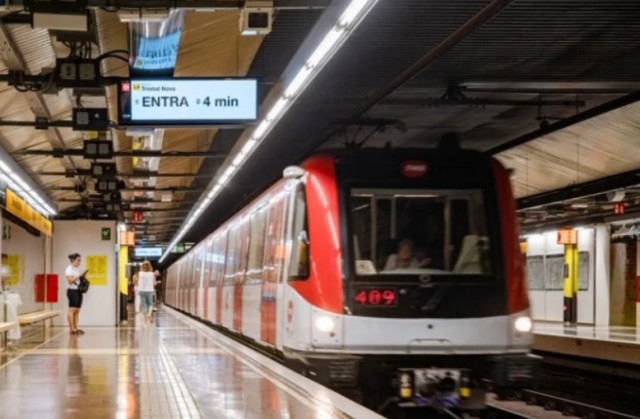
x=252, y=290
x=274, y=255
x=219, y=258
x=210, y=285
x=228, y=285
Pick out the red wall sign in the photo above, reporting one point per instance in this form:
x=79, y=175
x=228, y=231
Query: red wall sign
x=138, y=216
x=51, y=286
x=414, y=168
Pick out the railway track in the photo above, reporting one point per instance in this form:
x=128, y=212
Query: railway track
x=565, y=407
x=562, y=405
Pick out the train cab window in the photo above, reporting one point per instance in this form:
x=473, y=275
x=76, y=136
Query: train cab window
x=300, y=250
x=419, y=232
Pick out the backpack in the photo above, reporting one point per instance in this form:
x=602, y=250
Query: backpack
x=83, y=287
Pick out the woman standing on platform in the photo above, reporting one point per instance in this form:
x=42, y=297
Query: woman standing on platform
x=74, y=295
x=146, y=281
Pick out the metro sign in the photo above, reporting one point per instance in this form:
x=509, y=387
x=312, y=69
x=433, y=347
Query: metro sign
x=414, y=168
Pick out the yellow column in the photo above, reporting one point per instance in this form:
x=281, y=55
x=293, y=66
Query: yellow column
x=570, y=284
x=123, y=280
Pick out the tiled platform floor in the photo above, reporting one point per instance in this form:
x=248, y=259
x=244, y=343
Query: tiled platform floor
x=169, y=369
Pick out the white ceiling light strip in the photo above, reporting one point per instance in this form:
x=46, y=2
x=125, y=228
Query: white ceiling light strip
x=24, y=191
x=322, y=53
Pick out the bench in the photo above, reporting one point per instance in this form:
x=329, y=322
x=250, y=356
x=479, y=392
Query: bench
x=38, y=316
x=4, y=328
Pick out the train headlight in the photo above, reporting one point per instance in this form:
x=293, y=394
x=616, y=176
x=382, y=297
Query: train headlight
x=325, y=324
x=523, y=324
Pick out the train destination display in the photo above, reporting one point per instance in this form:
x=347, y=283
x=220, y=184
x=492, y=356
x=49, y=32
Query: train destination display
x=184, y=102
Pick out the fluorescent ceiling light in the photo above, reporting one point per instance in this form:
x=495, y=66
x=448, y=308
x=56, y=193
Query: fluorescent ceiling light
x=262, y=128
x=325, y=46
x=5, y=168
x=248, y=146
x=298, y=81
x=274, y=113
x=238, y=159
x=352, y=12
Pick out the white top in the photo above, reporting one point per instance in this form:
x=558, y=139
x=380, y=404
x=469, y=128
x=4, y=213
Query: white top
x=393, y=263
x=145, y=281
x=72, y=271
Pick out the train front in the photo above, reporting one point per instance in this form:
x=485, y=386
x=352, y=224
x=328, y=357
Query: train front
x=431, y=301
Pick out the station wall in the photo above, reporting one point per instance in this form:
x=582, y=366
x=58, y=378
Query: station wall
x=23, y=257
x=545, y=266
x=98, y=254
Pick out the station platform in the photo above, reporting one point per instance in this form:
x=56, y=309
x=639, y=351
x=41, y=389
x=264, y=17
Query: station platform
x=611, y=343
x=174, y=368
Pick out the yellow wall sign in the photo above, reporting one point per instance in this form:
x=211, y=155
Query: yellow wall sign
x=567, y=236
x=18, y=207
x=15, y=268
x=97, y=267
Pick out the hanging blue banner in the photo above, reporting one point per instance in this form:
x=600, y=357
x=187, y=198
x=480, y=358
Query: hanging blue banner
x=154, y=46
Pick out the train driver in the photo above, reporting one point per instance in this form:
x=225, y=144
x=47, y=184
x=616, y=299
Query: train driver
x=404, y=258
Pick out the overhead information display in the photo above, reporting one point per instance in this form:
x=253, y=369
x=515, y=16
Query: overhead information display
x=184, y=102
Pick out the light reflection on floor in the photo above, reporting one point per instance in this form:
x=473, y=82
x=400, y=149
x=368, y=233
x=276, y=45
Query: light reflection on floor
x=165, y=370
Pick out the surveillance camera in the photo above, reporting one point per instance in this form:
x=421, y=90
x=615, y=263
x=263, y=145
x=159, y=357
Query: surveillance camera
x=256, y=18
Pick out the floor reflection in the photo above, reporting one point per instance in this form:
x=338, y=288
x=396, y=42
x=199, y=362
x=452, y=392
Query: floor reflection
x=167, y=370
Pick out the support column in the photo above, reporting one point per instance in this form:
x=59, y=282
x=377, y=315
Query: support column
x=123, y=281
x=570, y=284
x=637, y=287
x=603, y=275
x=48, y=268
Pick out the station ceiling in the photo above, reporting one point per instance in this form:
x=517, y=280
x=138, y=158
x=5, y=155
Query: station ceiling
x=506, y=75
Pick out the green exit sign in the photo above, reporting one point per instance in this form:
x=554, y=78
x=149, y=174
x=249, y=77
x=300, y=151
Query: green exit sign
x=106, y=233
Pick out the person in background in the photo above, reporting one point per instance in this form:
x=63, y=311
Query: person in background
x=156, y=294
x=404, y=259
x=146, y=281
x=73, y=274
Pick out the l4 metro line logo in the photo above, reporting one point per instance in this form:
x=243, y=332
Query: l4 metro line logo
x=414, y=168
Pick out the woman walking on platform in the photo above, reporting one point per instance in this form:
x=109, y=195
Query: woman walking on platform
x=74, y=295
x=146, y=281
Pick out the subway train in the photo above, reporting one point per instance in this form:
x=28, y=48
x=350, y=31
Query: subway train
x=389, y=274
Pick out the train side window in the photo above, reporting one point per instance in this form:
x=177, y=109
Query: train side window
x=242, y=250
x=256, y=245
x=221, y=257
x=230, y=259
x=300, y=251
x=274, y=252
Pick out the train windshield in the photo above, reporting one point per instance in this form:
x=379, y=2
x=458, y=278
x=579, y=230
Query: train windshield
x=419, y=232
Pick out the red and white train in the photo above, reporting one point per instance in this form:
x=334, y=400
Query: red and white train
x=392, y=271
